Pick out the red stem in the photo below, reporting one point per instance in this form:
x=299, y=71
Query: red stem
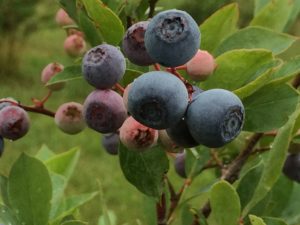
x=34, y=109
x=156, y=66
x=119, y=87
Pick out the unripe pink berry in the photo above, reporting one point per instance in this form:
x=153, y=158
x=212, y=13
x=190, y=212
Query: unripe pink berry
x=49, y=71
x=168, y=143
x=201, y=66
x=63, y=19
x=75, y=45
x=14, y=122
x=69, y=118
x=136, y=136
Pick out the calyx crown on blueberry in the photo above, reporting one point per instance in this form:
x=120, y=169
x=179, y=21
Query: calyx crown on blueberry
x=172, y=38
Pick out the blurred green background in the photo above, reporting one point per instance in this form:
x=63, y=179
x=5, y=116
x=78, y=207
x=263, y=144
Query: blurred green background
x=29, y=40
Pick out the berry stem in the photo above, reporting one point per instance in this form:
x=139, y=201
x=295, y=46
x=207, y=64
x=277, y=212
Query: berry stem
x=34, y=108
x=189, y=87
x=119, y=87
x=183, y=67
x=156, y=66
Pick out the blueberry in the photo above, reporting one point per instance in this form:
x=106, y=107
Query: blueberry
x=110, y=143
x=201, y=66
x=172, y=38
x=14, y=122
x=181, y=135
x=104, y=111
x=133, y=44
x=69, y=118
x=75, y=45
x=291, y=167
x=136, y=136
x=1, y=145
x=49, y=71
x=157, y=99
x=215, y=117
x=10, y=101
x=179, y=164
x=103, y=66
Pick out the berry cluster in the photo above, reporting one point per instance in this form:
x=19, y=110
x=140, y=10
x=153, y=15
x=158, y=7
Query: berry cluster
x=159, y=105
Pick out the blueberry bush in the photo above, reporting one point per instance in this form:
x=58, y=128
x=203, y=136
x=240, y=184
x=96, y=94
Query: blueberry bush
x=216, y=101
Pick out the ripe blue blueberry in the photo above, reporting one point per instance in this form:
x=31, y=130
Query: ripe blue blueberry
x=172, y=38
x=104, y=111
x=1, y=145
x=110, y=143
x=215, y=117
x=181, y=135
x=103, y=66
x=133, y=44
x=291, y=167
x=157, y=99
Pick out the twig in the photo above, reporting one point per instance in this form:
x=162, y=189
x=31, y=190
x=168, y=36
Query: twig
x=34, y=109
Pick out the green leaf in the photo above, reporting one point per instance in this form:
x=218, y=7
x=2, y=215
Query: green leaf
x=287, y=70
x=7, y=216
x=129, y=76
x=74, y=222
x=29, y=189
x=276, y=200
x=112, y=218
x=238, y=67
x=269, y=107
x=187, y=217
x=219, y=26
x=59, y=184
x=293, y=14
x=3, y=190
x=254, y=85
x=248, y=184
x=72, y=203
x=145, y=170
x=256, y=37
x=195, y=159
x=274, y=162
x=256, y=220
x=70, y=7
x=44, y=153
x=225, y=205
x=87, y=26
x=274, y=221
x=291, y=212
x=259, y=4
x=69, y=73
x=275, y=15
x=106, y=21
x=131, y=7
x=64, y=163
